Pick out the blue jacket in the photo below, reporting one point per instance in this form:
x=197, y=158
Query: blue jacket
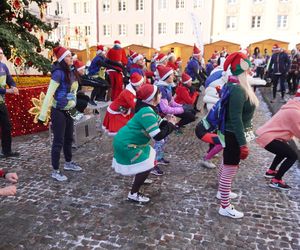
x=280, y=63
x=6, y=76
x=61, y=94
x=96, y=64
x=192, y=69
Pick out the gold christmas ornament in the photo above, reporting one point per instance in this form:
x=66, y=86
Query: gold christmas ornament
x=37, y=108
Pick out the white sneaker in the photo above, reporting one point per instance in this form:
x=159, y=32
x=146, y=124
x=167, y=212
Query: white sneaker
x=57, y=175
x=72, y=166
x=232, y=195
x=138, y=197
x=231, y=212
x=207, y=164
x=148, y=181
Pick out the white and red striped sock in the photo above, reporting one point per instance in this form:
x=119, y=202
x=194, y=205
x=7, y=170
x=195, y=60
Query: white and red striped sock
x=227, y=174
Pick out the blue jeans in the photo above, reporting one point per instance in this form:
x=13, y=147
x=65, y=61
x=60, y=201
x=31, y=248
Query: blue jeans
x=62, y=127
x=159, y=147
x=281, y=79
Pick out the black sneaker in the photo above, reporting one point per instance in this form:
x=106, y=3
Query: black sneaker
x=163, y=161
x=157, y=171
x=11, y=154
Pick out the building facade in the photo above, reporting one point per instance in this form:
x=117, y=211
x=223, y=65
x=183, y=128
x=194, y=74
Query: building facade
x=248, y=21
x=154, y=23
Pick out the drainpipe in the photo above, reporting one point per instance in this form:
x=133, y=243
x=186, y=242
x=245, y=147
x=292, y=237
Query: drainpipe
x=97, y=20
x=212, y=20
x=152, y=24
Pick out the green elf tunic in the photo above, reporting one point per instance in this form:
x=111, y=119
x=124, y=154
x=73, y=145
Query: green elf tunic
x=132, y=151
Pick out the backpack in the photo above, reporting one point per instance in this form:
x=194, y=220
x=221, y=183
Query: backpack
x=215, y=119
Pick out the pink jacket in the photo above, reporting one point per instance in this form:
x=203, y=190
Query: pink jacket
x=282, y=126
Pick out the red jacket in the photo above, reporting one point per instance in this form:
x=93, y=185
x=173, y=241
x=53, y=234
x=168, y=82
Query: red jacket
x=184, y=96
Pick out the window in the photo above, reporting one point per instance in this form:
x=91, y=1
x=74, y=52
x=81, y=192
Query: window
x=198, y=3
x=139, y=29
x=139, y=4
x=231, y=22
x=122, y=5
x=231, y=1
x=178, y=28
x=256, y=21
x=106, y=6
x=76, y=8
x=179, y=4
x=106, y=30
x=162, y=28
x=258, y=1
x=59, y=9
x=162, y=4
x=122, y=29
x=282, y=21
x=87, y=30
x=86, y=7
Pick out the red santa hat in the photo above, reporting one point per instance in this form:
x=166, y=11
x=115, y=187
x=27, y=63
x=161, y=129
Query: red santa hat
x=275, y=47
x=79, y=65
x=196, y=51
x=146, y=92
x=213, y=56
x=161, y=58
x=136, y=79
x=132, y=53
x=117, y=42
x=178, y=60
x=100, y=49
x=60, y=53
x=136, y=57
x=186, y=78
x=238, y=63
x=164, y=72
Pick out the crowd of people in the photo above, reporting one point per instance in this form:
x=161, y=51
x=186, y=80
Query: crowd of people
x=147, y=105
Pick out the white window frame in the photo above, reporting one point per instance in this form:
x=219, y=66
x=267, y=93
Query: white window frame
x=122, y=29
x=87, y=30
x=86, y=7
x=139, y=29
x=231, y=22
x=76, y=8
x=139, y=5
x=59, y=8
x=106, y=6
x=255, y=22
x=282, y=21
x=162, y=4
x=122, y=5
x=258, y=1
x=162, y=28
x=106, y=30
x=197, y=4
x=180, y=4
x=231, y=1
x=178, y=28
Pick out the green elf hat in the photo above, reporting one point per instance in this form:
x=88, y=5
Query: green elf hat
x=238, y=63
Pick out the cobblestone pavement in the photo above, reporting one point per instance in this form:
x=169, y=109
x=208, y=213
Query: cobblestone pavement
x=90, y=211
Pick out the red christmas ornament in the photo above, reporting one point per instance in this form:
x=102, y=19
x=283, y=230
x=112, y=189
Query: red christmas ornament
x=38, y=50
x=16, y=4
x=30, y=63
x=18, y=61
x=29, y=29
x=26, y=24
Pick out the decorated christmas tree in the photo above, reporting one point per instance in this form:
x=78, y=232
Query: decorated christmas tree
x=22, y=34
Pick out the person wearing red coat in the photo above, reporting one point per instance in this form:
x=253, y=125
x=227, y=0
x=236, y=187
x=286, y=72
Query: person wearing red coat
x=121, y=110
x=117, y=54
x=184, y=93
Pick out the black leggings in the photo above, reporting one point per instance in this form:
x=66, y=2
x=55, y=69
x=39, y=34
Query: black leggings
x=231, y=153
x=186, y=118
x=139, y=181
x=283, y=151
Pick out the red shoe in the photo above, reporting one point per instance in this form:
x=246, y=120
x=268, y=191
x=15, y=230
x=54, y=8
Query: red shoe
x=270, y=173
x=279, y=184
